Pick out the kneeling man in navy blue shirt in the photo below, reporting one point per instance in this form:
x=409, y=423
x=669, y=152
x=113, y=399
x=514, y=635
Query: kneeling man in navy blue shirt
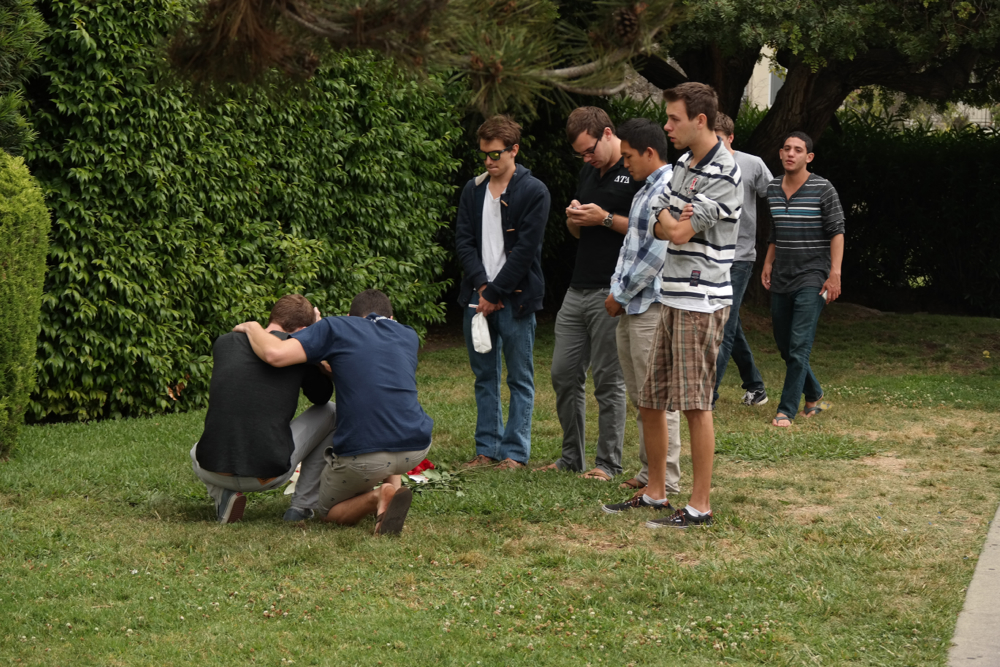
x=381, y=431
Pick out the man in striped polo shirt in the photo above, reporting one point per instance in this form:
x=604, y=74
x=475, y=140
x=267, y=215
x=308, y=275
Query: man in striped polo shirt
x=802, y=269
x=699, y=216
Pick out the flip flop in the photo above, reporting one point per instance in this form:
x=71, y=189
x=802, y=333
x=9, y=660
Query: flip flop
x=597, y=474
x=631, y=484
x=390, y=522
x=782, y=418
x=816, y=409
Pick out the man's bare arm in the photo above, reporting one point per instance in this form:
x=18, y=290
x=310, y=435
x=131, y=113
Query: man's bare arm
x=677, y=231
x=832, y=284
x=271, y=349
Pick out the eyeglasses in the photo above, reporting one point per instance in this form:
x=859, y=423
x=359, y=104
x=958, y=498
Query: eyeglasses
x=589, y=152
x=493, y=155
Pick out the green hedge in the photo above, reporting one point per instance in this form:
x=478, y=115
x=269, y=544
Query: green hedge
x=923, y=227
x=175, y=220
x=24, y=228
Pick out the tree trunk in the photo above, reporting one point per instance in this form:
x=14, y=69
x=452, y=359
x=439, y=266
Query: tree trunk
x=806, y=102
x=727, y=73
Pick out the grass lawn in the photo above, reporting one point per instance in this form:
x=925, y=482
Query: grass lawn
x=848, y=539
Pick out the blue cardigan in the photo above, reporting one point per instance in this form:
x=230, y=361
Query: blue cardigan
x=524, y=212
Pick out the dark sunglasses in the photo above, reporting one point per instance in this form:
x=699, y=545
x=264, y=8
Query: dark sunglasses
x=493, y=155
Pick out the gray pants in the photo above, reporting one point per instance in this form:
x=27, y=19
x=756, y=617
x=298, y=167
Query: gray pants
x=635, y=338
x=310, y=430
x=585, y=337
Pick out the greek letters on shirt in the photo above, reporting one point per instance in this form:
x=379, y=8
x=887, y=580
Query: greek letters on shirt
x=622, y=179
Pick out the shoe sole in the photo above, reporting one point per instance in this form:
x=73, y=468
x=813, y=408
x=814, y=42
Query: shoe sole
x=607, y=510
x=654, y=524
x=395, y=513
x=234, y=512
x=761, y=402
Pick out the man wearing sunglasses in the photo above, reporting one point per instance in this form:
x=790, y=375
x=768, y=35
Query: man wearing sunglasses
x=498, y=239
x=585, y=333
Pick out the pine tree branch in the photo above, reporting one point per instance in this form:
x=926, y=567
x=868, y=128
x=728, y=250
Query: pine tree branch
x=596, y=92
x=587, y=68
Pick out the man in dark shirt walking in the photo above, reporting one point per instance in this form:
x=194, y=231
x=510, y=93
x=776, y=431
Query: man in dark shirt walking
x=585, y=333
x=802, y=269
x=250, y=442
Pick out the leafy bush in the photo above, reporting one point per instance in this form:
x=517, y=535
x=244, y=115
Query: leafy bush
x=24, y=228
x=922, y=227
x=21, y=28
x=175, y=220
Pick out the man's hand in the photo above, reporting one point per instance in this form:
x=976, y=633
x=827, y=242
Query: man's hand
x=247, y=327
x=324, y=368
x=487, y=307
x=316, y=316
x=831, y=287
x=585, y=215
x=765, y=276
x=612, y=306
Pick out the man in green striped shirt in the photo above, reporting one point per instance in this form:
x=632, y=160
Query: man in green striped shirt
x=802, y=269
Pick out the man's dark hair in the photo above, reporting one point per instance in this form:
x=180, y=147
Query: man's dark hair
x=642, y=133
x=591, y=120
x=800, y=135
x=291, y=312
x=500, y=127
x=371, y=301
x=698, y=98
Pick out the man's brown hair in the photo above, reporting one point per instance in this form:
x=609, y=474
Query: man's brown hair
x=591, y=120
x=698, y=98
x=500, y=127
x=371, y=301
x=292, y=312
x=724, y=124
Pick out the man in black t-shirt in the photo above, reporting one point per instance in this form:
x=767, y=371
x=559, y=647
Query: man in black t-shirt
x=250, y=442
x=585, y=333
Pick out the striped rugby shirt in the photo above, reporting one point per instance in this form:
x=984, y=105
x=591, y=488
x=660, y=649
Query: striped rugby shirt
x=696, y=274
x=803, y=227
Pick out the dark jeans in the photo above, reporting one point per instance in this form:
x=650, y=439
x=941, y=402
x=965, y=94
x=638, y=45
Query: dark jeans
x=734, y=343
x=794, y=316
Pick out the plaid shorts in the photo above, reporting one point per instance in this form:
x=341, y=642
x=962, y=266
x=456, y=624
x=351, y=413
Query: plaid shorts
x=680, y=374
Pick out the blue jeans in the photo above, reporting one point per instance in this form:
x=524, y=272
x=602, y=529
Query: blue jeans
x=794, y=316
x=734, y=343
x=516, y=337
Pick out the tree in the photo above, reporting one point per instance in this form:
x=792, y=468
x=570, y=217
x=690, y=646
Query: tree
x=21, y=30
x=925, y=48
x=513, y=52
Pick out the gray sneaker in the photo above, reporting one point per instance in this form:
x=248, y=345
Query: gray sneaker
x=298, y=514
x=230, y=510
x=755, y=397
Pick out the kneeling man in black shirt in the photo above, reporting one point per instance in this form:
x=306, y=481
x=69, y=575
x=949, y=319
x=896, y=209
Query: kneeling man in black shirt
x=250, y=442
x=382, y=431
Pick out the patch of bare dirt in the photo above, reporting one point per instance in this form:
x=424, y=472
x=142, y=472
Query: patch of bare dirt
x=887, y=461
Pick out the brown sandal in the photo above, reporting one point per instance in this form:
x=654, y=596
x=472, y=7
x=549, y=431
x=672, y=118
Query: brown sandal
x=597, y=474
x=632, y=484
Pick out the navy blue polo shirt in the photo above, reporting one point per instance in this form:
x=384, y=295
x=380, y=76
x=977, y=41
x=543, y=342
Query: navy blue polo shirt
x=374, y=363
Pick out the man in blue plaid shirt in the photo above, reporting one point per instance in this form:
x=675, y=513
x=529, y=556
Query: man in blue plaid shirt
x=635, y=285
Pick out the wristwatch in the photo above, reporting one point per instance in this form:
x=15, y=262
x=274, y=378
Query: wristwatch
x=610, y=220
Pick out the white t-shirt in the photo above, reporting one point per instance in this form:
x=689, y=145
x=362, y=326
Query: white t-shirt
x=494, y=256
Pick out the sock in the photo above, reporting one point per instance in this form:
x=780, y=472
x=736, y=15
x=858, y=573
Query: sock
x=652, y=501
x=693, y=512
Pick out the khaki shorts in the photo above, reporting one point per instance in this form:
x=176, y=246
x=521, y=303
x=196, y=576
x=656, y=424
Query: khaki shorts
x=347, y=476
x=680, y=373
